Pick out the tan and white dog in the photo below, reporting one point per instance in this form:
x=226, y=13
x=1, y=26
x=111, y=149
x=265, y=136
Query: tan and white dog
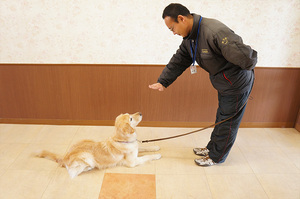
x=120, y=149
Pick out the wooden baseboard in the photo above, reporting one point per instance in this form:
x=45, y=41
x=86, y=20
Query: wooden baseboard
x=267, y=125
x=205, y=124
x=94, y=94
x=145, y=123
x=58, y=122
x=297, y=127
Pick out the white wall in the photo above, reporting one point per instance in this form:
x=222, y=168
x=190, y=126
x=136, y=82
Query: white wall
x=133, y=32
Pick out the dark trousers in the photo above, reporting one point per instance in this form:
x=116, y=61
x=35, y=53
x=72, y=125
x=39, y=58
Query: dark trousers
x=224, y=134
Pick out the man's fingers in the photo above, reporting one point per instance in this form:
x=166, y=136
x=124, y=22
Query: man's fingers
x=151, y=86
x=154, y=86
x=157, y=86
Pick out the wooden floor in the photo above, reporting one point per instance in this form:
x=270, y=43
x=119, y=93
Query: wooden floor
x=264, y=163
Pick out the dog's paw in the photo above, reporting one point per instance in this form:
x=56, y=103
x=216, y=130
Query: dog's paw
x=157, y=156
x=155, y=148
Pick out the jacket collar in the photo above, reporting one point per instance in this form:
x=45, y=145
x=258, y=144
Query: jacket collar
x=193, y=33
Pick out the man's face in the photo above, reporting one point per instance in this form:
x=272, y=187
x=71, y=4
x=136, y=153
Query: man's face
x=178, y=28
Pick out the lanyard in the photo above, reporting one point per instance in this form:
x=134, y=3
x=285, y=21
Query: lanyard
x=194, y=54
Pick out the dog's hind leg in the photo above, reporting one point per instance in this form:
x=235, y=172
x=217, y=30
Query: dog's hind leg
x=77, y=168
x=149, y=148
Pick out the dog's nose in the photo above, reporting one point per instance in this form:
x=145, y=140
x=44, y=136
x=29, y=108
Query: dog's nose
x=141, y=114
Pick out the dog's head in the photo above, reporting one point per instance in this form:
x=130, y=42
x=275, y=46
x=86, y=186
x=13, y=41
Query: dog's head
x=126, y=123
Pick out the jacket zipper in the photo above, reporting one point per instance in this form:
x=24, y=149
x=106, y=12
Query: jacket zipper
x=227, y=78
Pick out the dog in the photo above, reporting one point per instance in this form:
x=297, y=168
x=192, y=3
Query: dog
x=120, y=149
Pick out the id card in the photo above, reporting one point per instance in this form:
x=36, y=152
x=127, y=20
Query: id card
x=193, y=69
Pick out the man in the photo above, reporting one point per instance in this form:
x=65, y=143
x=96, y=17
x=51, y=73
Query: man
x=230, y=64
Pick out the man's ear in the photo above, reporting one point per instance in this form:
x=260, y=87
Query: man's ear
x=180, y=18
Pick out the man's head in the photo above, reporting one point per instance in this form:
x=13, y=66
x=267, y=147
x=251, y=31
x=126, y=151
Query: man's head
x=178, y=19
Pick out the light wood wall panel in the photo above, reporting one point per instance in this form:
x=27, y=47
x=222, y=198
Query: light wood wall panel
x=96, y=94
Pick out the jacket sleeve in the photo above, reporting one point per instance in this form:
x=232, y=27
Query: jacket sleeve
x=176, y=66
x=234, y=50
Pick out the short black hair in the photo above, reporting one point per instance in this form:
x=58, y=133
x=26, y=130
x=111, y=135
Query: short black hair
x=175, y=9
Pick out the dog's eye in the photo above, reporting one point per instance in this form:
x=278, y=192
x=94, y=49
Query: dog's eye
x=130, y=119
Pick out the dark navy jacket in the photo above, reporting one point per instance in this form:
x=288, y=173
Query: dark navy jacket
x=220, y=52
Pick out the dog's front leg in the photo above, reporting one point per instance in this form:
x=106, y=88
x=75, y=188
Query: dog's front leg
x=132, y=160
x=148, y=148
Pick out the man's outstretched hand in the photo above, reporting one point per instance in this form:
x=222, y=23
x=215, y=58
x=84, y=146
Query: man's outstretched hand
x=157, y=86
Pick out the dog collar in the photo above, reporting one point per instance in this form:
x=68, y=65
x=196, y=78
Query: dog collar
x=126, y=142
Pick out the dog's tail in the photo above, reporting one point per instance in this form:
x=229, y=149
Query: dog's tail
x=50, y=156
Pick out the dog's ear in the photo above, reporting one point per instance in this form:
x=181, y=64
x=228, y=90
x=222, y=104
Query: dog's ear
x=126, y=128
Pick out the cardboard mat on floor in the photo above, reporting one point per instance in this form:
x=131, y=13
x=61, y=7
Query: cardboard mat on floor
x=116, y=185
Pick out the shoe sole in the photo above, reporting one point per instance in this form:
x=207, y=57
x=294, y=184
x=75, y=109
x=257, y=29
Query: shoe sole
x=202, y=165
